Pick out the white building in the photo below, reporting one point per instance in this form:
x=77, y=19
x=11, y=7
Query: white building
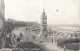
x=2, y=14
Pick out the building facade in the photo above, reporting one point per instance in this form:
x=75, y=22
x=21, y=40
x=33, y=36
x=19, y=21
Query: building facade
x=2, y=13
x=2, y=7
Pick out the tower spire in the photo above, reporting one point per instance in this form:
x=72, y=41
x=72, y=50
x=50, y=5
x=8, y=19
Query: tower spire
x=43, y=4
x=44, y=7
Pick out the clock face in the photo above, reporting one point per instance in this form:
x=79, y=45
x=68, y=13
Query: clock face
x=44, y=20
x=1, y=24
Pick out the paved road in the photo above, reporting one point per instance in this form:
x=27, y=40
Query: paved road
x=28, y=35
x=46, y=42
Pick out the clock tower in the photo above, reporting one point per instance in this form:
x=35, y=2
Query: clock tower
x=44, y=23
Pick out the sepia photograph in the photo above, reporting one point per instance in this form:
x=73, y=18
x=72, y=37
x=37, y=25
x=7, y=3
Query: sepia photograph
x=39, y=25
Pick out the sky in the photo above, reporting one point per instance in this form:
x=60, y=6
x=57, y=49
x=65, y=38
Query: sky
x=31, y=10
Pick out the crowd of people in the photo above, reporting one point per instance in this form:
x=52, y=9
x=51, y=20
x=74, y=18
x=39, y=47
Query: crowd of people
x=13, y=39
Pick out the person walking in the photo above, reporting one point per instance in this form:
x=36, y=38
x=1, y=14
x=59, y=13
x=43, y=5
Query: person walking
x=14, y=38
x=52, y=40
x=33, y=37
x=19, y=38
